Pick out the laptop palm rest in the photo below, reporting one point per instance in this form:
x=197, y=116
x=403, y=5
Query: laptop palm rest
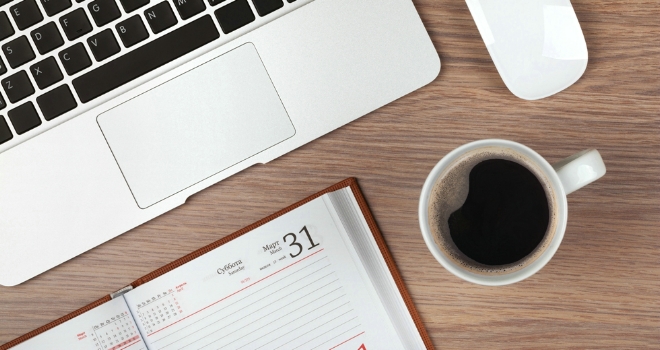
x=195, y=125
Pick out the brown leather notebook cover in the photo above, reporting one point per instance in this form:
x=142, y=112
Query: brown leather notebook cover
x=350, y=182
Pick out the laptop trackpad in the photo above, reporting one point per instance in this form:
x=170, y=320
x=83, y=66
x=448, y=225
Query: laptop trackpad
x=196, y=125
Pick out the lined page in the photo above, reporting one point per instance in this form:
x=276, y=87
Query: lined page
x=107, y=327
x=294, y=283
x=346, y=208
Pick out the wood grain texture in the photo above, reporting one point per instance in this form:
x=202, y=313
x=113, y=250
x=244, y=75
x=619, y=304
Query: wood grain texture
x=602, y=288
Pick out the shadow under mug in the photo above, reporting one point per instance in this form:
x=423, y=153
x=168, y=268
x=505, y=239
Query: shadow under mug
x=564, y=178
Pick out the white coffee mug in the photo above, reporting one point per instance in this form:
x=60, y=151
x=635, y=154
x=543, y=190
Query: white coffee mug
x=564, y=177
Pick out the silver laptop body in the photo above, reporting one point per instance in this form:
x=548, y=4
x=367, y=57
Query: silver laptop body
x=148, y=135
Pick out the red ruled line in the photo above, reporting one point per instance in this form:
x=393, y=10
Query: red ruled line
x=346, y=341
x=236, y=292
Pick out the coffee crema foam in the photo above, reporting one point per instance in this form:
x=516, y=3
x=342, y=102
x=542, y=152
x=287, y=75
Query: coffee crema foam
x=450, y=192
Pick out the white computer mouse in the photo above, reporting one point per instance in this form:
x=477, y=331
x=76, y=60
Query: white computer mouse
x=537, y=45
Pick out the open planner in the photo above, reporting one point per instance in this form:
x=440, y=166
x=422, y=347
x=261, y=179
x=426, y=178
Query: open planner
x=316, y=275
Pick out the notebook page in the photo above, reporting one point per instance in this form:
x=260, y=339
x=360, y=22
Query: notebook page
x=106, y=327
x=345, y=208
x=293, y=283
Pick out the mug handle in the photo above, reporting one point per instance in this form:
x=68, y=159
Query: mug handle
x=580, y=170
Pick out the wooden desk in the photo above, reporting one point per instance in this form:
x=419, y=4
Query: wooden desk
x=602, y=288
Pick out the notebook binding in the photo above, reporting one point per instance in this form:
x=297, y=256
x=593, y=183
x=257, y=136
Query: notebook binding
x=121, y=292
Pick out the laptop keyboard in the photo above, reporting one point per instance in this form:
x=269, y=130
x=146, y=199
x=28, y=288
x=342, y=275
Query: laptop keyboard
x=58, y=55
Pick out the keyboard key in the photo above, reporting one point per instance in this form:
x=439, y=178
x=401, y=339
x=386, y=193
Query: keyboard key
x=234, y=15
x=103, y=45
x=46, y=72
x=24, y=118
x=53, y=7
x=74, y=59
x=265, y=7
x=4, y=2
x=26, y=13
x=132, y=5
x=56, y=102
x=103, y=11
x=145, y=59
x=160, y=17
x=17, y=86
x=6, y=30
x=75, y=24
x=47, y=38
x=18, y=51
x=132, y=31
x=215, y=2
x=189, y=8
x=3, y=68
x=2, y=103
x=5, y=132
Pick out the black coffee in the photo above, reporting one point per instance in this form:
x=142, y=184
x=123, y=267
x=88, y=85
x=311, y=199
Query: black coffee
x=505, y=215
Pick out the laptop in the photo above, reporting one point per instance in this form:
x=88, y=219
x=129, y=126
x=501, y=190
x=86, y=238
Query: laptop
x=116, y=111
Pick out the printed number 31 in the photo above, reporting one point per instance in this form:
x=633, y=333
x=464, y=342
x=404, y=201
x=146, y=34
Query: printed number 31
x=300, y=247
